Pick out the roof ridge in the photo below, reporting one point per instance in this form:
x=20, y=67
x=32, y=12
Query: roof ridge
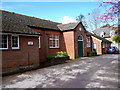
x=68, y=23
x=29, y=16
x=99, y=28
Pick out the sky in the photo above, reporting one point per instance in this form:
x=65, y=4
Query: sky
x=54, y=11
x=62, y=12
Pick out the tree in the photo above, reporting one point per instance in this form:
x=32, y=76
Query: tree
x=116, y=39
x=94, y=18
x=112, y=12
x=81, y=18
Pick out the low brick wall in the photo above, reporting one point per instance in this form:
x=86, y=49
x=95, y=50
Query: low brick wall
x=19, y=70
x=92, y=54
x=59, y=60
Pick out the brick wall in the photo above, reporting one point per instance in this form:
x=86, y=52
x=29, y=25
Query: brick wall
x=99, y=46
x=104, y=50
x=44, y=50
x=89, y=49
x=83, y=33
x=69, y=43
x=26, y=55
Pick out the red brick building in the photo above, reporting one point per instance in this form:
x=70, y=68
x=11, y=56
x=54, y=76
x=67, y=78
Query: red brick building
x=99, y=44
x=28, y=40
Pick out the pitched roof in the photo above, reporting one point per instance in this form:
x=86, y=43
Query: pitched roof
x=103, y=39
x=68, y=26
x=12, y=22
x=106, y=30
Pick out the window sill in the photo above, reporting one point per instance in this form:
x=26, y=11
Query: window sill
x=54, y=47
x=3, y=48
x=15, y=48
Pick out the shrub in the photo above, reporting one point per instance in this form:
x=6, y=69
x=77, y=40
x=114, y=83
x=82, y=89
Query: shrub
x=61, y=54
x=93, y=53
x=88, y=53
x=50, y=57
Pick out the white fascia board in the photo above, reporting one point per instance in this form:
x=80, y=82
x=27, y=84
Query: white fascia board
x=19, y=34
x=96, y=38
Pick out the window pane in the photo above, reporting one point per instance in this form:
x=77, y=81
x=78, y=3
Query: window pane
x=3, y=41
x=54, y=40
x=5, y=45
x=53, y=43
x=79, y=37
x=51, y=35
x=50, y=43
x=57, y=43
x=56, y=36
x=14, y=41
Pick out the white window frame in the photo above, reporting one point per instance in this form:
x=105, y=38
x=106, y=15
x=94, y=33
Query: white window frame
x=88, y=42
x=51, y=39
x=7, y=43
x=39, y=42
x=18, y=42
x=103, y=44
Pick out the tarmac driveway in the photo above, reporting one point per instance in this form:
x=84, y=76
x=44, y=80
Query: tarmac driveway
x=91, y=72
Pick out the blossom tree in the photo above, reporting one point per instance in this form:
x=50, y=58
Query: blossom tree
x=112, y=12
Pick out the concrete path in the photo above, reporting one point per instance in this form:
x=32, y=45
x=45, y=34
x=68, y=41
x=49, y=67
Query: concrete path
x=92, y=72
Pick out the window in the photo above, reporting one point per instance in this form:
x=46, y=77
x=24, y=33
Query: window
x=4, y=42
x=112, y=33
x=103, y=44
x=88, y=42
x=80, y=38
x=15, y=42
x=106, y=44
x=80, y=29
x=102, y=34
x=39, y=42
x=54, y=41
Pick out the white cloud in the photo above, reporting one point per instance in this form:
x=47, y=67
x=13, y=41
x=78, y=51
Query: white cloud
x=67, y=19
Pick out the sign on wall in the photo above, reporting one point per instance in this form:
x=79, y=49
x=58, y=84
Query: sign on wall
x=30, y=43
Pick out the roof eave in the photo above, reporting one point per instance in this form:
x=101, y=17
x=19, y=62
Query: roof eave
x=67, y=30
x=20, y=33
x=43, y=28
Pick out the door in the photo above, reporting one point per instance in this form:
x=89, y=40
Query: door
x=95, y=47
x=80, y=48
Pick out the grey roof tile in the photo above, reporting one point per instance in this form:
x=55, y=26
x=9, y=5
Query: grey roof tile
x=12, y=22
x=106, y=30
x=68, y=26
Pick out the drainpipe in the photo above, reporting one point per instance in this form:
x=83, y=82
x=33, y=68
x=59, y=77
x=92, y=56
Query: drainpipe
x=46, y=43
x=28, y=59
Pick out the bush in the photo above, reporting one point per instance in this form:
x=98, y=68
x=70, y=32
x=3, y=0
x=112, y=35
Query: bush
x=50, y=57
x=61, y=54
x=93, y=53
x=88, y=53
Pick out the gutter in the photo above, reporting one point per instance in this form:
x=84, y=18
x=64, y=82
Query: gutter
x=21, y=33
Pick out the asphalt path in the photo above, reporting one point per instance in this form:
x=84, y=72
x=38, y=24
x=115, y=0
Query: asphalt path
x=86, y=72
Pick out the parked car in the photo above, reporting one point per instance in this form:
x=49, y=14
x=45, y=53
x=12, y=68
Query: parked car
x=112, y=50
